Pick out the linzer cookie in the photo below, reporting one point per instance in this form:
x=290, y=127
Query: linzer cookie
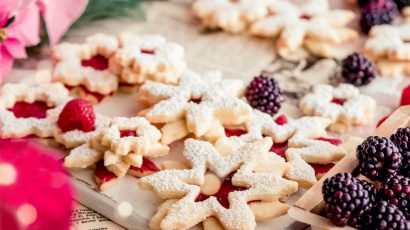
x=122, y=146
x=201, y=106
x=83, y=67
x=303, y=142
x=147, y=57
x=344, y=105
x=217, y=190
x=29, y=110
x=312, y=25
x=231, y=16
x=389, y=46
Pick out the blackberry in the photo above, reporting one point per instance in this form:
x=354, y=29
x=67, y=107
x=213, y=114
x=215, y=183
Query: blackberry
x=402, y=3
x=378, y=158
x=377, y=13
x=264, y=94
x=396, y=191
x=347, y=199
x=358, y=70
x=385, y=216
x=402, y=140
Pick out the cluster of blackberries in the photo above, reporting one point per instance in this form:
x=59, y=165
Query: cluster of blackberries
x=377, y=12
x=358, y=70
x=357, y=203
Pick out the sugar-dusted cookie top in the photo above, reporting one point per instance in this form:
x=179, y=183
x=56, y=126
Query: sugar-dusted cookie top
x=203, y=103
x=344, y=104
x=28, y=110
x=389, y=42
x=312, y=25
x=147, y=57
x=232, y=16
x=191, y=206
x=86, y=65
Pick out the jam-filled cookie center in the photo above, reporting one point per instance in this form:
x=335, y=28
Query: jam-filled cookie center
x=147, y=51
x=339, y=101
x=128, y=133
x=97, y=62
x=305, y=17
x=37, y=109
x=214, y=187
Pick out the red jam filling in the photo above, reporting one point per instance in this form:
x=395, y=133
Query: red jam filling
x=305, y=17
x=339, y=101
x=281, y=120
x=37, y=109
x=147, y=166
x=196, y=100
x=405, y=96
x=98, y=96
x=97, y=62
x=321, y=169
x=223, y=192
x=147, y=51
x=330, y=140
x=128, y=133
x=102, y=174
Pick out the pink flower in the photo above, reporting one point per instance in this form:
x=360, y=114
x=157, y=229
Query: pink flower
x=17, y=33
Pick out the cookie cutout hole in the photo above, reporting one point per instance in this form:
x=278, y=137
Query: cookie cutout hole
x=147, y=51
x=128, y=133
x=339, y=101
x=280, y=148
x=196, y=100
x=37, y=109
x=223, y=192
x=305, y=17
x=102, y=174
x=97, y=62
x=234, y=132
x=147, y=168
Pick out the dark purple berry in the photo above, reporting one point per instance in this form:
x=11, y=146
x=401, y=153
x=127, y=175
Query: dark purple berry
x=396, y=191
x=347, y=199
x=377, y=13
x=402, y=140
x=378, y=158
x=358, y=70
x=264, y=94
x=385, y=216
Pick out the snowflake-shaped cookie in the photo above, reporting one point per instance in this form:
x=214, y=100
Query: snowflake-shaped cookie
x=186, y=204
x=302, y=141
x=311, y=25
x=85, y=65
x=389, y=46
x=148, y=57
x=196, y=105
x=344, y=105
x=231, y=16
x=28, y=110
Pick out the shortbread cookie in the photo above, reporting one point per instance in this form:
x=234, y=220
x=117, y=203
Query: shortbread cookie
x=148, y=57
x=187, y=205
x=393, y=68
x=231, y=16
x=303, y=142
x=312, y=25
x=28, y=110
x=127, y=140
x=344, y=105
x=83, y=67
x=195, y=105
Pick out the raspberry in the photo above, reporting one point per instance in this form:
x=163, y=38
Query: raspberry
x=377, y=13
x=358, y=70
x=402, y=3
x=264, y=94
x=378, y=158
x=77, y=114
x=385, y=216
x=347, y=199
x=402, y=140
x=397, y=191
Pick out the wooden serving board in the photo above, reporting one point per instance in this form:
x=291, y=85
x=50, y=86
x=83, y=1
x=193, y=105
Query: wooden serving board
x=306, y=208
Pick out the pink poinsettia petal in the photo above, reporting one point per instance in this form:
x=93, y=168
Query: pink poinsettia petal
x=15, y=48
x=6, y=63
x=59, y=15
x=26, y=26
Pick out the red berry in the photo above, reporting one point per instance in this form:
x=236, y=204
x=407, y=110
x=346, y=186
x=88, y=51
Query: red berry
x=78, y=114
x=281, y=120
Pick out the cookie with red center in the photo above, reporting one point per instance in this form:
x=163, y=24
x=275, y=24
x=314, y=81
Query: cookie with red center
x=77, y=123
x=83, y=67
x=30, y=110
x=344, y=105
